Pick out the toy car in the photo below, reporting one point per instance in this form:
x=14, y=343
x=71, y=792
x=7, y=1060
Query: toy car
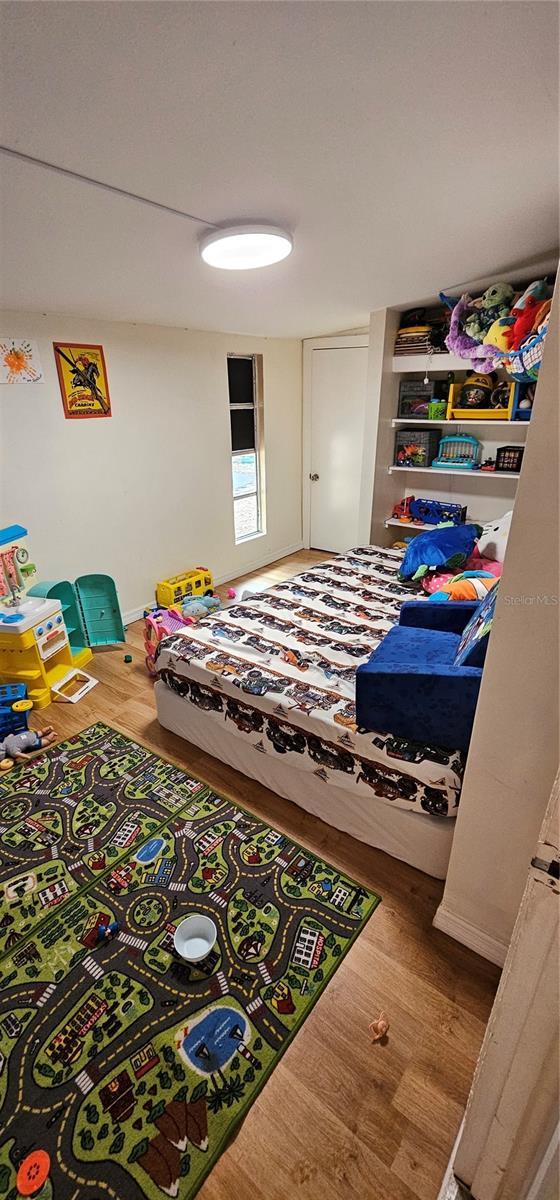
x=198, y=582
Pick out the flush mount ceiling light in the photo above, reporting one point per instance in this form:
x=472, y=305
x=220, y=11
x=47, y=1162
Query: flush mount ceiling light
x=245, y=247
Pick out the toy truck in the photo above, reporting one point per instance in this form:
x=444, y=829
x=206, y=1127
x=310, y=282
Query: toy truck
x=188, y=585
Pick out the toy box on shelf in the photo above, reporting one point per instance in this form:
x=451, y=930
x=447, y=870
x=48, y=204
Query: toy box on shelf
x=509, y=458
x=430, y=512
x=481, y=398
x=416, y=396
x=194, y=583
x=415, y=448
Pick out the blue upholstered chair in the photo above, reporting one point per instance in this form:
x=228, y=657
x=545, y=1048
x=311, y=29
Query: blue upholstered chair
x=412, y=686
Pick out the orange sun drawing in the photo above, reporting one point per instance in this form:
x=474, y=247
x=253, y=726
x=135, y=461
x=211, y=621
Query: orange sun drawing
x=19, y=362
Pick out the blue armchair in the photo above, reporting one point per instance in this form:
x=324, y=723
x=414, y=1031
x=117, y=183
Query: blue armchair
x=411, y=687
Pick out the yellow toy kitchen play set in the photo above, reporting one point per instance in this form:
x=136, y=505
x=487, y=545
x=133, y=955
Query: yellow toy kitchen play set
x=47, y=629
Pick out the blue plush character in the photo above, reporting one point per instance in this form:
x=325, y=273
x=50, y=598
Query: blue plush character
x=446, y=547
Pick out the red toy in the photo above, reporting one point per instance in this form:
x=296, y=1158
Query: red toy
x=401, y=511
x=524, y=322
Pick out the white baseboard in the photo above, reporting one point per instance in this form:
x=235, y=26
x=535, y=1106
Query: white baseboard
x=470, y=935
x=264, y=560
x=134, y=614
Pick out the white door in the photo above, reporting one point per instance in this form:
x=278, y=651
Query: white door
x=338, y=396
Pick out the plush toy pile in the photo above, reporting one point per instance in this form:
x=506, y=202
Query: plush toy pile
x=500, y=329
x=434, y=557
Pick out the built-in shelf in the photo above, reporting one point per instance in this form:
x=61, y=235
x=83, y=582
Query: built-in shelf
x=417, y=526
x=465, y=473
x=407, y=524
x=397, y=422
x=403, y=364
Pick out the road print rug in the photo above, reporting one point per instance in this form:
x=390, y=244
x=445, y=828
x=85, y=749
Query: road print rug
x=123, y=1069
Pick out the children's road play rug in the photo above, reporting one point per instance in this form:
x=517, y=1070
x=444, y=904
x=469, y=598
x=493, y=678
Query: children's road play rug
x=123, y=1069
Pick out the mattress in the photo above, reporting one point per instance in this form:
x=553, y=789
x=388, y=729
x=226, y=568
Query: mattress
x=277, y=670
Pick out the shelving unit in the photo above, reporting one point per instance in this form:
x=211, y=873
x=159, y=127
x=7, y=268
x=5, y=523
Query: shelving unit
x=465, y=474
x=408, y=364
x=397, y=422
x=454, y=485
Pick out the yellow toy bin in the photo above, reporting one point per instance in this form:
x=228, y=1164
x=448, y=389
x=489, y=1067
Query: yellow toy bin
x=188, y=585
x=456, y=413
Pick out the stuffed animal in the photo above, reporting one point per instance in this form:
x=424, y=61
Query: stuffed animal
x=447, y=546
x=192, y=610
x=493, y=539
x=483, y=357
x=495, y=303
x=499, y=333
x=469, y=585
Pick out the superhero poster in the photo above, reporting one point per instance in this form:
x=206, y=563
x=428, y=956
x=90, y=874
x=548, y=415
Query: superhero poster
x=82, y=375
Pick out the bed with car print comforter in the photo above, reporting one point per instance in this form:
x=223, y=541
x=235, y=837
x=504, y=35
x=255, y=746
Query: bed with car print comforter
x=277, y=669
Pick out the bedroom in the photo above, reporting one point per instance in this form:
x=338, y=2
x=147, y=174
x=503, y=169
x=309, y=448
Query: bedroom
x=131, y=133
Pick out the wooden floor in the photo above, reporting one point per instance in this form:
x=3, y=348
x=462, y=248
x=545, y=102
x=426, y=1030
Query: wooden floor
x=340, y=1116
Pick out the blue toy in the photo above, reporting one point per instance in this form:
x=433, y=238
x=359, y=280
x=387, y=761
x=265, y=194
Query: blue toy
x=105, y=933
x=458, y=452
x=14, y=707
x=446, y=548
x=200, y=606
x=433, y=512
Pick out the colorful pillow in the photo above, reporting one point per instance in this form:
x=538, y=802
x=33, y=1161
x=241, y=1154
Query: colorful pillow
x=471, y=651
x=469, y=585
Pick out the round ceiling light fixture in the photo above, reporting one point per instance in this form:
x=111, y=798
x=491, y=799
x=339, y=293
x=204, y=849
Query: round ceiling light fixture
x=245, y=247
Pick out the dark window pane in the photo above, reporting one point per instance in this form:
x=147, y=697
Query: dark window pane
x=240, y=380
x=242, y=429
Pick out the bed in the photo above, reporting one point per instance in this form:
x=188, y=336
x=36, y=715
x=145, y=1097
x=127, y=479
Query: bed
x=268, y=686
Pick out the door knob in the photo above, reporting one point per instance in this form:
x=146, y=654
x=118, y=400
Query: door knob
x=314, y=477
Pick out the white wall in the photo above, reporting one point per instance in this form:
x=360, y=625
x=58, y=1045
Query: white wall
x=146, y=493
x=513, y=756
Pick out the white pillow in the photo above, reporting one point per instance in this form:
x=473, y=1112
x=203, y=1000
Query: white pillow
x=493, y=539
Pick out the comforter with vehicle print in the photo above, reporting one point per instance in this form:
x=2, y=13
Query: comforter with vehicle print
x=278, y=668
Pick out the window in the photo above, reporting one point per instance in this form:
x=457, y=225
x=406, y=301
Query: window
x=247, y=466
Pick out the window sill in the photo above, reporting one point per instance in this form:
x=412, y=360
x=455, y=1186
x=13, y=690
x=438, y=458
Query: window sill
x=250, y=537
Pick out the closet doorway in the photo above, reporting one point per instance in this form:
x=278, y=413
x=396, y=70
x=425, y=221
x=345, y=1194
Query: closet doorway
x=335, y=385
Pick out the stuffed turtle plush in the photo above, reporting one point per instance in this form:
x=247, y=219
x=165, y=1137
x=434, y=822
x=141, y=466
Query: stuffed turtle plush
x=446, y=546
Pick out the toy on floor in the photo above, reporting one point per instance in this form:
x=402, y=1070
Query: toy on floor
x=16, y=747
x=195, y=583
x=73, y=686
x=379, y=1028
x=448, y=546
x=469, y=585
x=158, y=623
x=14, y=708
x=106, y=933
x=231, y=593
x=193, y=610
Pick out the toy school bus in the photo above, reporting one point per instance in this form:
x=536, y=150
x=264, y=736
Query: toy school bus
x=189, y=584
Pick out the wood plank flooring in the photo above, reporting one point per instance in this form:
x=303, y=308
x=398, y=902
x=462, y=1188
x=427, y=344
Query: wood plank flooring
x=340, y=1116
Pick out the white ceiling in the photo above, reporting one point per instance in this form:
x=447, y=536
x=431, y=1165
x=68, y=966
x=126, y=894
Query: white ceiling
x=409, y=146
